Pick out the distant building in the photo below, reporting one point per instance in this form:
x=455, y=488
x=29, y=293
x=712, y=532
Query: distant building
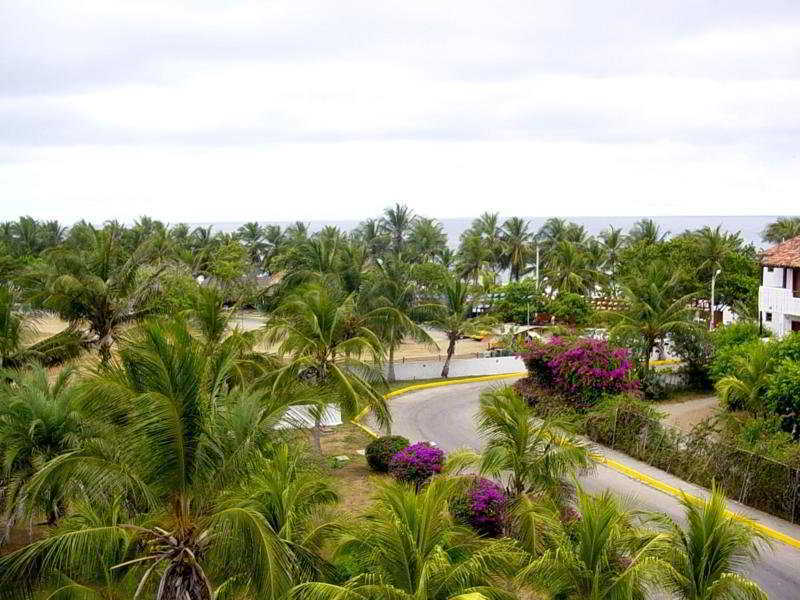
x=779, y=294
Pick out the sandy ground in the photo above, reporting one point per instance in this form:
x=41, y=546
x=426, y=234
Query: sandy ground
x=687, y=414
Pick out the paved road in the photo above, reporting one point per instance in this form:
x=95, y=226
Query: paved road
x=445, y=415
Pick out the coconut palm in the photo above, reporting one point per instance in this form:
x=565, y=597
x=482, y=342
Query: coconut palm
x=516, y=246
x=713, y=247
x=709, y=555
x=397, y=222
x=39, y=421
x=473, y=256
x=185, y=454
x=569, y=270
x=330, y=344
x=654, y=307
x=373, y=236
x=551, y=232
x=99, y=286
x=532, y=455
x=252, y=236
x=410, y=548
x=613, y=242
x=487, y=226
x=746, y=389
x=785, y=228
x=604, y=554
x=646, y=231
x=452, y=316
x=425, y=239
x=393, y=288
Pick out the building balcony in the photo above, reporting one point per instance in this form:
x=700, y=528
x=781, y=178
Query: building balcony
x=779, y=301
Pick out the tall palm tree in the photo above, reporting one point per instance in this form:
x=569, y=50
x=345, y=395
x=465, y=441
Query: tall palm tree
x=569, y=271
x=534, y=456
x=252, y=236
x=604, y=555
x=27, y=236
x=713, y=246
x=452, y=316
x=185, y=457
x=785, y=228
x=397, y=222
x=654, y=307
x=488, y=227
x=473, y=256
x=371, y=233
x=646, y=231
x=411, y=549
x=613, y=242
x=708, y=556
x=100, y=286
x=275, y=241
x=328, y=343
x=393, y=288
x=516, y=246
x=747, y=388
x=425, y=239
x=551, y=232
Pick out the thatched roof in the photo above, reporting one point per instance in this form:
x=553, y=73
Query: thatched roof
x=785, y=254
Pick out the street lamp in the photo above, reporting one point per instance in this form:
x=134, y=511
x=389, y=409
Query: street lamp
x=711, y=307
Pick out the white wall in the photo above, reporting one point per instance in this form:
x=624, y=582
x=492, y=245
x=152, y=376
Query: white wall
x=459, y=367
x=775, y=278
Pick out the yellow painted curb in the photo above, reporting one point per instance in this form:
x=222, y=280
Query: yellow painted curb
x=673, y=491
x=667, y=361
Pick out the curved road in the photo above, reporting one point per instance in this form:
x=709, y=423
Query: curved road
x=445, y=415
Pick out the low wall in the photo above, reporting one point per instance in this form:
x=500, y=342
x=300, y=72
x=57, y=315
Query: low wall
x=462, y=367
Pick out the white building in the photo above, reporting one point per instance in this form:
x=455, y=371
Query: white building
x=779, y=294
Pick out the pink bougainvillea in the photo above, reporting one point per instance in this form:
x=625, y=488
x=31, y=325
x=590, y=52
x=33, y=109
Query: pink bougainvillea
x=582, y=369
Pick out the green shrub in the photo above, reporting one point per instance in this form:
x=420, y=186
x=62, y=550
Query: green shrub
x=724, y=361
x=379, y=452
x=571, y=308
x=695, y=348
x=736, y=334
x=787, y=348
x=783, y=395
x=520, y=302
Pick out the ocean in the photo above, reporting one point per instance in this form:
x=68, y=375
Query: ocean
x=749, y=227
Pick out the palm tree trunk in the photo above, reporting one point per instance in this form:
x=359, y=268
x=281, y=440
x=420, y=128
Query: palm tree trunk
x=451, y=348
x=390, y=376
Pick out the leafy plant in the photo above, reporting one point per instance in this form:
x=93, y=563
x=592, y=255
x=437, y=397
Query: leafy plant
x=482, y=506
x=416, y=463
x=379, y=452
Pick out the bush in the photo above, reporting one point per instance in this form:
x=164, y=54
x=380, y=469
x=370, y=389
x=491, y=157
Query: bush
x=736, y=334
x=724, y=361
x=787, y=348
x=380, y=452
x=783, y=395
x=572, y=309
x=416, y=463
x=520, y=301
x=696, y=349
x=582, y=370
x=482, y=507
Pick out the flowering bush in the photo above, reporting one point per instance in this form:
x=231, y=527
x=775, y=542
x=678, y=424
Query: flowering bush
x=582, y=369
x=483, y=507
x=416, y=463
x=380, y=452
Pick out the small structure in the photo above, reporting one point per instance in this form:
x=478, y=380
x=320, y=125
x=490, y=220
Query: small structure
x=779, y=293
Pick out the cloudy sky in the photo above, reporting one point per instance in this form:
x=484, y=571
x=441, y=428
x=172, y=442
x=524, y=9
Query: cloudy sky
x=223, y=110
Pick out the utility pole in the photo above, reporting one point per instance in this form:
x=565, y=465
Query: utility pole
x=537, y=267
x=711, y=306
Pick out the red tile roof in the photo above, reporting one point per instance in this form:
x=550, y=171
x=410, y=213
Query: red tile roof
x=785, y=254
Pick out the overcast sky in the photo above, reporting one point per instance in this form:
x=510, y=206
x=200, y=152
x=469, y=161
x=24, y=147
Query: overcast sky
x=218, y=110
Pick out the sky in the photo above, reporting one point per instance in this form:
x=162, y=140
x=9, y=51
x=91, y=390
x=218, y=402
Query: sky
x=212, y=110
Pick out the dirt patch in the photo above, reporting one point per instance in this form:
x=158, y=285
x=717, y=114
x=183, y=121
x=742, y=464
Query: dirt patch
x=686, y=414
x=354, y=481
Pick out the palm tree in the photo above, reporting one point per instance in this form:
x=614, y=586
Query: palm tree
x=473, y=256
x=785, y=228
x=603, y=555
x=274, y=240
x=333, y=347
x=397, y=223
x=185, y=457
x=39, y=421
x=411, y=549
x=252, y=236
x=653, y=308
x=646, y=231
x=708, y=557
x=487, y=226
x=535, y=456
x=713, y=247
x=551, y=232
x=613, y=242
x=425, y=239
x=516, y=246
x=371, y=233
x=747, y=388
x=452, y=317
x=569, y=271
x=393, y=288
x=100, y=286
